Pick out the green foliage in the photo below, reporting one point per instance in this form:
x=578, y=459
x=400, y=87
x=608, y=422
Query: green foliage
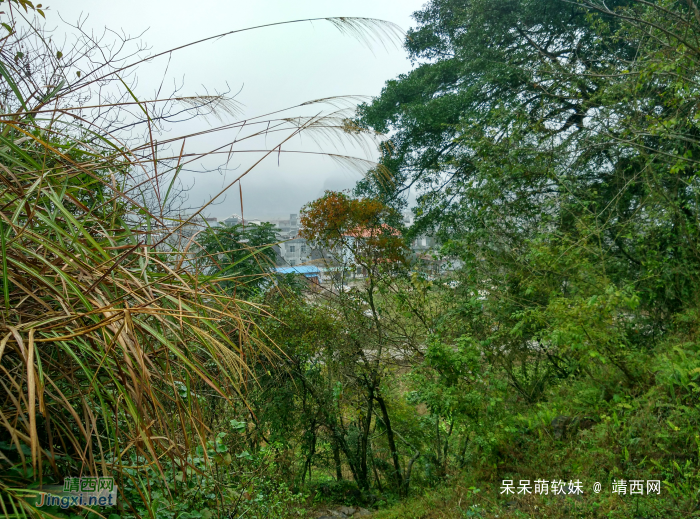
x=239, y=258
x=554, y=149
x=553, y=146
x=216, y=484
x=524, y=125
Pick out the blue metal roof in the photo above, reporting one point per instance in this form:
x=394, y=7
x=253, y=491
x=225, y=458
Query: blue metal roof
x=306, y=270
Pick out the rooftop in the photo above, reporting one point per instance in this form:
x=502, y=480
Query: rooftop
x=304, y=269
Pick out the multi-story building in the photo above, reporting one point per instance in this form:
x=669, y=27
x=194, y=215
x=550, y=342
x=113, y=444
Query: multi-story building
x=295, y=252
x=286, y=228
x=423, y=244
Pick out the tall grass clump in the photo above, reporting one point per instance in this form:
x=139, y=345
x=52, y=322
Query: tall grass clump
x=106, y=328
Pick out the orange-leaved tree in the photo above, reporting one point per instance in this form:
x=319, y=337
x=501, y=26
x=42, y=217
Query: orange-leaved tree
x=361, y=230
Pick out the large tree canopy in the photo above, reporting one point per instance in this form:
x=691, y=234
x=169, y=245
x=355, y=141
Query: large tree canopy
x=489, y=70
x=539, y=132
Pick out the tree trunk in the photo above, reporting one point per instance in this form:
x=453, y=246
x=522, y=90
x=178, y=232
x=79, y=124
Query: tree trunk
x=310, y=455
x=376, y=477
x=398, y=479
x=336, y=458
x=364, y=440
x=463, y=451
x=407, y=479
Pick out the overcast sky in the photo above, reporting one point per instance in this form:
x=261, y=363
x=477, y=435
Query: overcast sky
x=273, y=67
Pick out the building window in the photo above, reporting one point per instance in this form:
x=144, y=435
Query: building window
x=303, y=248
x=292, y=262
x=292, y=248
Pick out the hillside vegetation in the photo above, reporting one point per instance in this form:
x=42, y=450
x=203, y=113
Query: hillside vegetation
x=552, y=336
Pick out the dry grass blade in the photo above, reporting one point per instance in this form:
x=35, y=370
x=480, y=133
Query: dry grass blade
x=99, y=329
x=212, y=105
x=100, y=326
x=369, y=31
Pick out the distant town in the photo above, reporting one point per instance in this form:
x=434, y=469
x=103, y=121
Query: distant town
x=294, y=250
x=295, y=255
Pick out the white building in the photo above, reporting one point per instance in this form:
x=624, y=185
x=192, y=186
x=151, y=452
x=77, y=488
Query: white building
x=295, y=252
